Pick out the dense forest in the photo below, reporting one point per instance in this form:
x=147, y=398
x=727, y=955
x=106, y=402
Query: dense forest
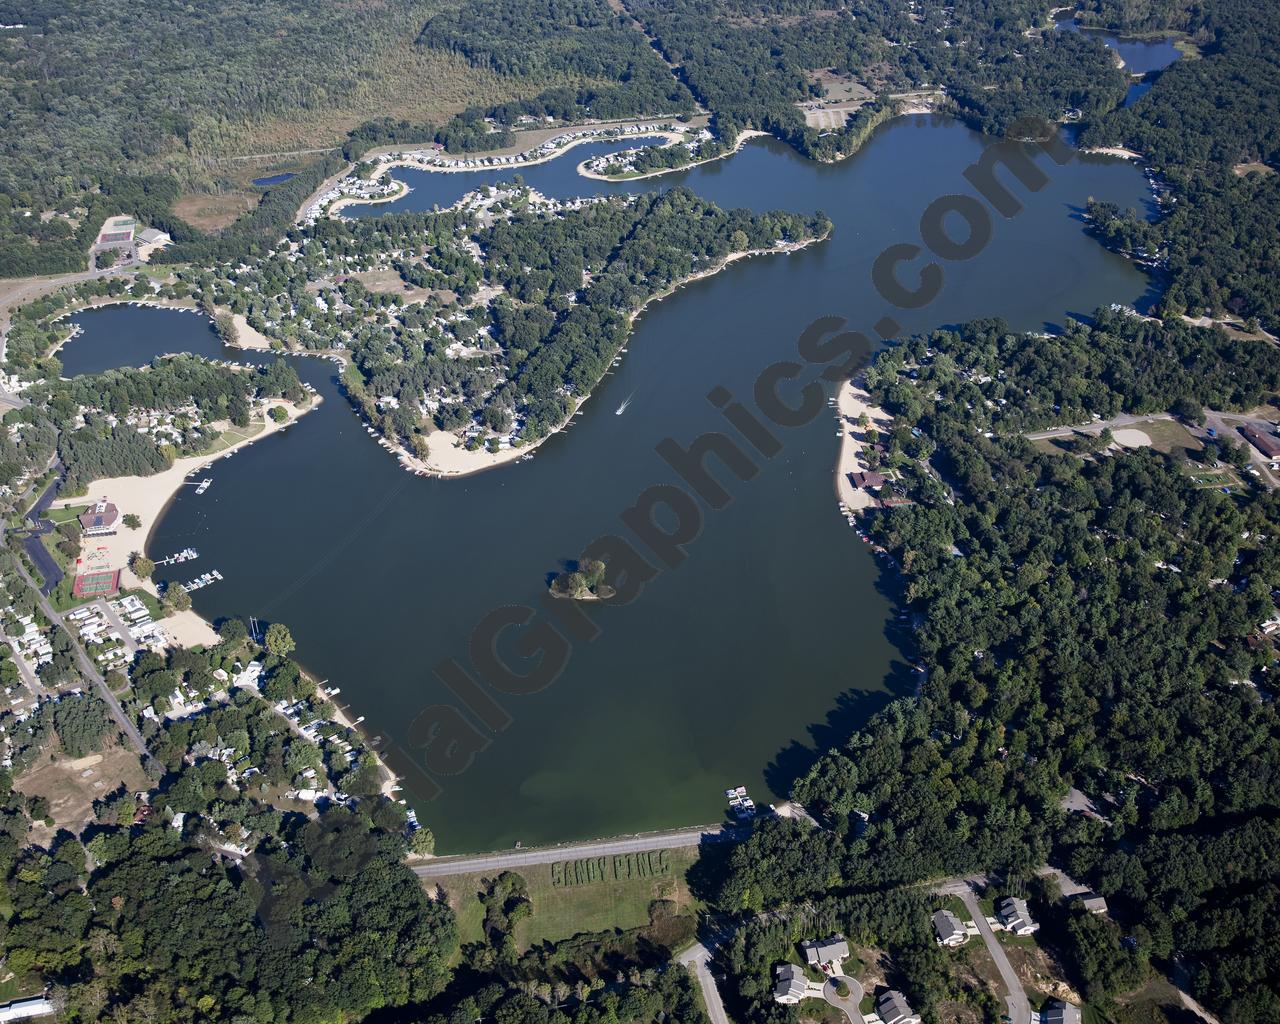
x=160, y=124
x=1210, y=127
x=1086, y=620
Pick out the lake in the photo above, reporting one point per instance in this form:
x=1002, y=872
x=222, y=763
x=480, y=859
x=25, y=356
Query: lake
x=274, y=179
x=1140, y=56
x=772, y=641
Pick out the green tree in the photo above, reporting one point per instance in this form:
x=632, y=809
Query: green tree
x=279, y=640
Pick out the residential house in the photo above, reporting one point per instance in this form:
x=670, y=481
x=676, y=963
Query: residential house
x=892, y=1008
x=1092, y=902
x=1013, y=914
x=1056, y=1011
x=792, y=985
x=826, y=952
x=949, y=929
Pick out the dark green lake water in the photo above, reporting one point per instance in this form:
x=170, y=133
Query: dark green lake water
x=774, y=639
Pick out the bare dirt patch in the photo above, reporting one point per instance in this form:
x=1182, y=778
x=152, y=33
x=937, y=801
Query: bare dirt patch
x=214, y=212
x=1040, y=973
x=844, y=95
x=71, y=786
x=1253, y=167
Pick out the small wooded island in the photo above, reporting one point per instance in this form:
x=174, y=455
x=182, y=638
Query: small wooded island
x=585, y=583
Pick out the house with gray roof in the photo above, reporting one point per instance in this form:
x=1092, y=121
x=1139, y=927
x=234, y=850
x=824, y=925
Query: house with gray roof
x=826, y=951
x=1092, y=902
x=1058, y=1012
x=949, y=929
x=892, y=1008
x=791, y=985
x=1013, y=914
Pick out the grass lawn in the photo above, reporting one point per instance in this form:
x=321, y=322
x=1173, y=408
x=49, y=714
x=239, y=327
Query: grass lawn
x=1169, y=436
x=14, y=987
x=65, y=515
x=560, y=913
x=234, y=435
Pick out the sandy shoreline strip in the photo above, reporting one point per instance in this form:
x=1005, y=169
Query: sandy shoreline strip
x=743, y=138
x=852, y=401
x=147, y=497
x=344, y=201
x=1120, y=151
x=448, y=458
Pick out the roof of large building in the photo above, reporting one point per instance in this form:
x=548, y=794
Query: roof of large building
x=869, y=479
x=1268, y=444
x=101, y=515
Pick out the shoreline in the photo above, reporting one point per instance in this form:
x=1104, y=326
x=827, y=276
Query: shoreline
x=467, y=463
x=1116, y=151
x=851, y=402
x=148, y=497
x=744, y=137
x=342, y=202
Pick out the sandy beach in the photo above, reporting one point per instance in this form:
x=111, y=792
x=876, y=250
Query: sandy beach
x=851, y=403
x=743, y=138
x=1127, y=154
x=146, y=498
x=248, y=338
x=448, y=458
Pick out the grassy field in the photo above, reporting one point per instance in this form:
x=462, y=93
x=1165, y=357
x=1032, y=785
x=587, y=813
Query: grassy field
x=560, y=913
x=234, y=435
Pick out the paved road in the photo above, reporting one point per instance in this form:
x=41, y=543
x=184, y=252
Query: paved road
x=1019, y=1006
x=119, y=625
x=442, y=867
x=91, y=673
x=29, y=679
x=699, y=958
x=849, y=1004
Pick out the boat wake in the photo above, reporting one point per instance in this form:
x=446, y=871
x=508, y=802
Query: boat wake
x=625, y=402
